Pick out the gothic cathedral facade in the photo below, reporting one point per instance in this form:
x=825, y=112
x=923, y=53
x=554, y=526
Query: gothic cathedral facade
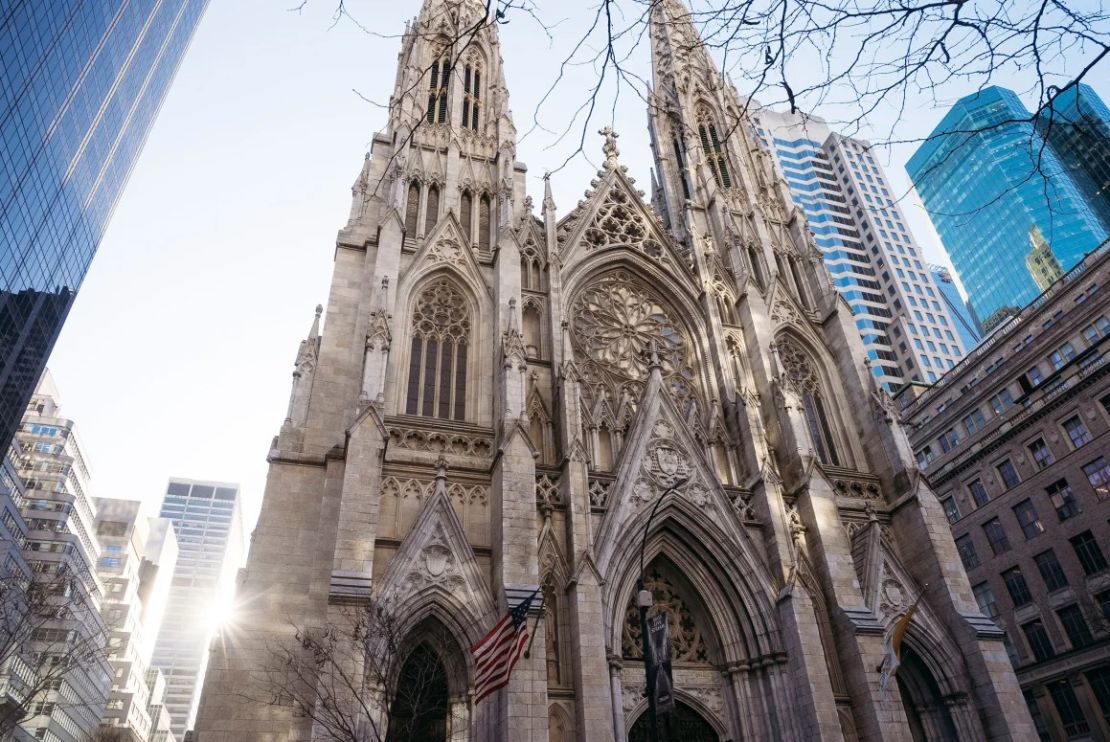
x=501, y=394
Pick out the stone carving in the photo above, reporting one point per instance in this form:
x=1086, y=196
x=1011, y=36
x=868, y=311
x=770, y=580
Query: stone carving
x=436, y=566
x=419, y=489
x=859, y=489
x=742, y=504
x=441, y=312
x=619, y=223
x=618, y=326
x=599, y=493
x=436, y=442
x=548, y=496
x=445, y=251
x=796, y=367
x=687, y=643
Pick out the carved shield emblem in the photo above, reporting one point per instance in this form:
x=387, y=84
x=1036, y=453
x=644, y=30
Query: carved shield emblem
x=435, y=560
x=667, y=461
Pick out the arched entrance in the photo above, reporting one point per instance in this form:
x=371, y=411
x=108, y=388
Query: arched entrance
x=684, y=725
x=928, y=715
x=422, y=702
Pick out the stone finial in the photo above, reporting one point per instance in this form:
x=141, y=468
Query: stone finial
x=441, y=475
x=610, y=146
x=654, y=361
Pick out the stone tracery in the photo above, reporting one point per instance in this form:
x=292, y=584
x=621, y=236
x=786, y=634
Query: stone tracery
x=619, y=326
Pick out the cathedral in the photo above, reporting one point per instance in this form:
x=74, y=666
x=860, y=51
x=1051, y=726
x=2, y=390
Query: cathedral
x=499, y=396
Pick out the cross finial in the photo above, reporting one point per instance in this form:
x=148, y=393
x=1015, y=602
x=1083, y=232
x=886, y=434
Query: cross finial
x=610, y=146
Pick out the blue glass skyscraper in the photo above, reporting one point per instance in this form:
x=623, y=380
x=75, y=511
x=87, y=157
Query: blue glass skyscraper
x=967, y=326
x=80, y=84
x=1077, y=127
x=987, y=179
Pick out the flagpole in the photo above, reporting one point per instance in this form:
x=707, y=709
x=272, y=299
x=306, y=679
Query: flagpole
x=644, y=600
x=535, y=628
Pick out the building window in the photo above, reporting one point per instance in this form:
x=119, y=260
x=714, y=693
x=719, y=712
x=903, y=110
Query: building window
x=1039, y=722
x=714, y=153
x=1062, y=355
x=1008, y=473
x=1051, y=571
x=1067, y=706
x=1077, y=431
x=1017, y=587
x=466, y=207
x=1098, y=474
x=984, y=596
x=472, y=80
x=1099, y=680
x=412, y=209
x=1002, y=401
x=437, y=365
x=974, y=422
x=1075, y=626
x=483, y=222
x=1088, y=553
x=1034, y=376
x=967, y=552
x=1103, y=599
x=1026, y=514
x=978, y=493
x=949, y=440
x=438, y=91
x=801, y=374
x=996, y=536
x=1042, y=455
x=1063, y=499
x=1038, y=640
x=951, y=509
x=432, y=214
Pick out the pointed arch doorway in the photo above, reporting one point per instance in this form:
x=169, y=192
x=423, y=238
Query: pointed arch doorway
x=684, y=725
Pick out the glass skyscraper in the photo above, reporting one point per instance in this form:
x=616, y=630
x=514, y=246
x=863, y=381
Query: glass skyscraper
x=1077, y=126
x=80, y=84
x=967, y=326
x=907, y=330
x=987, y=180
x=209, y=528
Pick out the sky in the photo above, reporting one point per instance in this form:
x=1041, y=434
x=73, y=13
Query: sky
x=177, y=356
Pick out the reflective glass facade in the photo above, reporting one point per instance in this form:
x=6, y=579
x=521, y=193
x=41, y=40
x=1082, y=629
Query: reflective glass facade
x=80, y=84
x=967, y=326
x=1077, y=128
x=978, y=178
x=872, y=259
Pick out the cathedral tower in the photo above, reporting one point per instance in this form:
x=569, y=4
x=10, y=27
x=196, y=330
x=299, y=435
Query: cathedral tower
x=498, y=399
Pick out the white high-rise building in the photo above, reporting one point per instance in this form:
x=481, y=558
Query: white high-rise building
x=907, y=330
x=208, y=524
x=62, y=551
x=124, y=531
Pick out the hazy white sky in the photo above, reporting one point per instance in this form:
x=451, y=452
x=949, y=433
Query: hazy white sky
x=177, y=356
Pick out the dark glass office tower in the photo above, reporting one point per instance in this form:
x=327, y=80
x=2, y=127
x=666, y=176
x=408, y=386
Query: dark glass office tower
x=1077, y=126
x=80, y=84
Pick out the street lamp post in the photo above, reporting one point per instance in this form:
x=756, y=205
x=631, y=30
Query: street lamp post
x=644, y=600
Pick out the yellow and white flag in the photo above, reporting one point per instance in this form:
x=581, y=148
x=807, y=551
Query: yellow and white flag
x=892, y=647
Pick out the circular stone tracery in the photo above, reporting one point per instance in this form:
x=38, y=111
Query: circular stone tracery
x=618, y=324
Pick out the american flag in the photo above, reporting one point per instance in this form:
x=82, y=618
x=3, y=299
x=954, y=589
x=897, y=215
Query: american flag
x=496, y=654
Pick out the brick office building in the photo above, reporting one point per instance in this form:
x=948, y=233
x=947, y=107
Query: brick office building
x=1015, y=440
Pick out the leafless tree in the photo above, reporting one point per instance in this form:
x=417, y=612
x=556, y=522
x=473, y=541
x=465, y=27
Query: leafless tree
x=50, y=633
x=357, y=679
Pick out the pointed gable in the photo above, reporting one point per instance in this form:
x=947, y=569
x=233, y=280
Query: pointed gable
x=435, y=558
x=444, y=247
x=615, y=217
x=658, y=451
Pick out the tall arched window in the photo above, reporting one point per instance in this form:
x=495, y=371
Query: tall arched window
x=799, y=281
x=472, y=80
x=438, y=91
x=756, y=262
x=483, y=223
x=533, y=330
x=412, y=209
x=466, y=206
x=437, y=364
x=714, y=153
x=432, y=213
x=799, y=371
x=680, y=162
